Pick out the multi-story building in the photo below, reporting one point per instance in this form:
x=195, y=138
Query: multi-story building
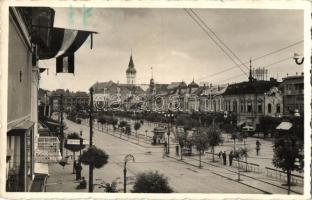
x=22, y=119
x=252, y=99
x=114, y=95
x=293, y=94
x=71, y=100
x=211, y=99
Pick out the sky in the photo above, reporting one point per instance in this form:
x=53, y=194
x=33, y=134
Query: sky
x=177, y=49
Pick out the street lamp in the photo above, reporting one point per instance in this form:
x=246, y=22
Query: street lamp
x=128, y=158
x=169, y=116
x=91, y=139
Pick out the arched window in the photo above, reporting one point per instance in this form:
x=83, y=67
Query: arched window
x=259, y=105
x=249, y=106
x=242, y=106
x=269, y=108
x=234, y=106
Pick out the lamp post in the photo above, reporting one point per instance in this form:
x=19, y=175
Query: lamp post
x=128, y=158
x=61, y=125
x=91, y=140
x=169, y=116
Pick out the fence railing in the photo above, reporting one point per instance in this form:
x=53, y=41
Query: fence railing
x=275, y=173
x=251, y=167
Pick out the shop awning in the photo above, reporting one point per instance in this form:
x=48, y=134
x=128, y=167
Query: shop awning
x=241, y=123
x=21, y=127
x=41, y=169
x=284, y=126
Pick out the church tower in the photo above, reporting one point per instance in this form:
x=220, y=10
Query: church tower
x=131, y=72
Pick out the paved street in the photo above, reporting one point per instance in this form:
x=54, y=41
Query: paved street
x=183, y=176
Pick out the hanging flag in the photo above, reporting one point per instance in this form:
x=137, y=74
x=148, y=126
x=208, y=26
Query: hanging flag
x=64, y=41
x=65, y=63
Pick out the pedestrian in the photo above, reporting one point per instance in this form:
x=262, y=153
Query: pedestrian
x=82, y=184
x=219, y=155
x=78, y=171
x=165, y=149
x=258, y=147
x=224, y=157
x=231, y=157
x=74, y=167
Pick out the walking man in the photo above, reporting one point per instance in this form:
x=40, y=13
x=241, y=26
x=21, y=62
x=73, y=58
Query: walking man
x=165, y=149
x=231, y=157
x=258, y=147
x=224, y=157
x=78, y=171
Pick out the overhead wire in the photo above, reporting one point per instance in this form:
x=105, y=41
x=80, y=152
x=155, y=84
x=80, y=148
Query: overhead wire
x=208, y=34
x=266, y=66
x=218, y=38
x=257, y=58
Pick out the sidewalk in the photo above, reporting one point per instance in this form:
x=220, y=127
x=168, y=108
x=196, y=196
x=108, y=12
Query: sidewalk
x=255, y=180
x=63, y=180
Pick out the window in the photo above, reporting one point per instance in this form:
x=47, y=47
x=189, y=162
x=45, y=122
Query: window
x=249, y=106
x=234, y=106
x=269, y=108
x=259, y=108
x=278, y=108
x=259, y=103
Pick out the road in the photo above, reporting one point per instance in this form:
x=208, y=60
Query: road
x=181, y=177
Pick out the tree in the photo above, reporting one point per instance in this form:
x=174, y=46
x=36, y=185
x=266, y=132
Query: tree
x=95, y=157
x=201, y=141
x=123, y=124
x=114, y=123
x=288, y=150
x=151, y=182
x=181, y=137
x=238, y=154
x=73, y=148
x=128, y=129
x=214, y=138
x=244, y=154
x=137, y=126
x=102, y=120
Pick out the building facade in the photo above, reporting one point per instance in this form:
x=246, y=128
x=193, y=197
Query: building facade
x=23, y=77
x=253, y=99
x=293, y=94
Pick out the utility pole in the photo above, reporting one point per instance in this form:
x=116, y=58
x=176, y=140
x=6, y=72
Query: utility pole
x=61, y=126
x=91, y=140
x=128, y=158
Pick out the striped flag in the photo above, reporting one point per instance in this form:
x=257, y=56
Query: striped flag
x=65, y=64
x=65, y=42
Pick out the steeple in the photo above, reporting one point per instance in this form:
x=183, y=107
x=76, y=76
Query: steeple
x=250, y=74
x=131, y=72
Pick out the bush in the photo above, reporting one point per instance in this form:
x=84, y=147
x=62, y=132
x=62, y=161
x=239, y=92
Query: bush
x=151, y=182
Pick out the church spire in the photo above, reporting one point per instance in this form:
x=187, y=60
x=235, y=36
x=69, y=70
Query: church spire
x=131, y=72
